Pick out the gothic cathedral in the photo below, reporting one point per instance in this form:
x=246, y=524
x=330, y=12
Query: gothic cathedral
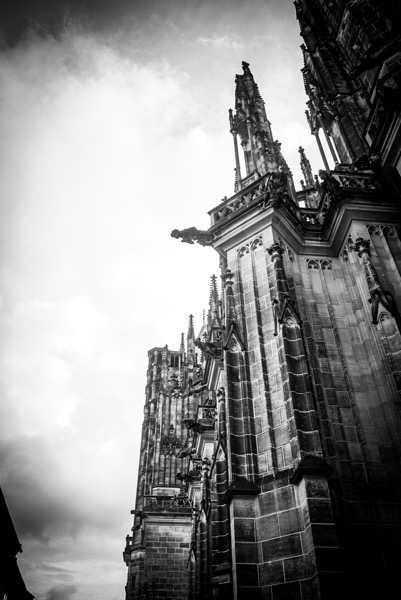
x=271, y=442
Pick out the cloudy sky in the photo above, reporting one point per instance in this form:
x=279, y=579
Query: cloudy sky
x=113, y=131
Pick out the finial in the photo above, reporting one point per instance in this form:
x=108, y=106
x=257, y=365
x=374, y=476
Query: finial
x=214, y=294
x=231, y=119
x=213, y=299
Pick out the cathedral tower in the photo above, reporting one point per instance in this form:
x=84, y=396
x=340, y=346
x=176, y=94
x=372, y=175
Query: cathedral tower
x=162, y=515
x=290, y=395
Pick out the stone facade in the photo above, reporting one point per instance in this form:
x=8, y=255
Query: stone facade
x=271, y=442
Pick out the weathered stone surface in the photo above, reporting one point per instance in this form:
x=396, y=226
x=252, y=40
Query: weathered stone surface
x=298, y=487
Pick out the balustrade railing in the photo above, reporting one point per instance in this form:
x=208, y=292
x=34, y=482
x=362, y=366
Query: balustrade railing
x=242, y=198
x=156, y=502
x=333, y=187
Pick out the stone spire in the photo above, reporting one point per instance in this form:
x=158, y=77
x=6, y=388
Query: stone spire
x=262, y=154
x=253, y=127
x=190, y=334
x=306, y=168
x=214, y=301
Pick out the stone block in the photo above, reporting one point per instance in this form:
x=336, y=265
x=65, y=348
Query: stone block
x=247, y=575
x=243, y=507
x=246, y=552
x=268, y=503
x=287, y=591
x=282, y=547
x=267, y=527
x=290, y=521
x=271, y=573
x=286, y=497
x=320, y=510
x=296, y=568
x=244, y=530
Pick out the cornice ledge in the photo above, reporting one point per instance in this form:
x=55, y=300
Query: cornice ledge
x=330, y=241
x=310, y=465
x=240, y=487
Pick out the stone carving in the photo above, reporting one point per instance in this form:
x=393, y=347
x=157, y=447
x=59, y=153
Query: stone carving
x=287, y=304
x=197, y=427
x=188, y=451
x=331, y=186
x=276, y=186
x=168, y=501
x=171, y=443
x=207, y=412
x=221, y=394
x=319, y=264
x=189, y=477
x=377, y=294
x=283, y=306
x=192, y=235
x=208, y=348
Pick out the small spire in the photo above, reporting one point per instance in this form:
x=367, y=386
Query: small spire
x=214, y=294
x=191, y=332
x=182, y=345
x=204, y=317
x=214, y=301
x=191, y=340
x=246, y=85
x=229, y=304
x=231, y=119
x=306, y=168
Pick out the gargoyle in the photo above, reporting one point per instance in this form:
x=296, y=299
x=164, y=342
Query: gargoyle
x=331, y=186
x=186, y=452
x=191, y=235
x=208, y=348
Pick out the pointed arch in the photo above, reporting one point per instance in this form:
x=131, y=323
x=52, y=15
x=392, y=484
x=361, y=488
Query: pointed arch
x=312, y=264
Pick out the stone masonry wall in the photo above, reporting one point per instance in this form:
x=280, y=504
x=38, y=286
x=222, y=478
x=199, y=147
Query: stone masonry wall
x=304, y=537
x=166, y=557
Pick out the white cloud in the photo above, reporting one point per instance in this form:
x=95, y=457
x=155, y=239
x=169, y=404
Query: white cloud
x=231, y=42
x=98, y=166
x=106, y=146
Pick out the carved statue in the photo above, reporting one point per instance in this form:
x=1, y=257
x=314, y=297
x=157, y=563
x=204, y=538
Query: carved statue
x=276, y=186
x=191, y=235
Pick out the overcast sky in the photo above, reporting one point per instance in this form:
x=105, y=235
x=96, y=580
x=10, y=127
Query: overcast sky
x=113, y=131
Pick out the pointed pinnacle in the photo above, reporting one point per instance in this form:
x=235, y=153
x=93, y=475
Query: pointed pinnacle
x=191, y=332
